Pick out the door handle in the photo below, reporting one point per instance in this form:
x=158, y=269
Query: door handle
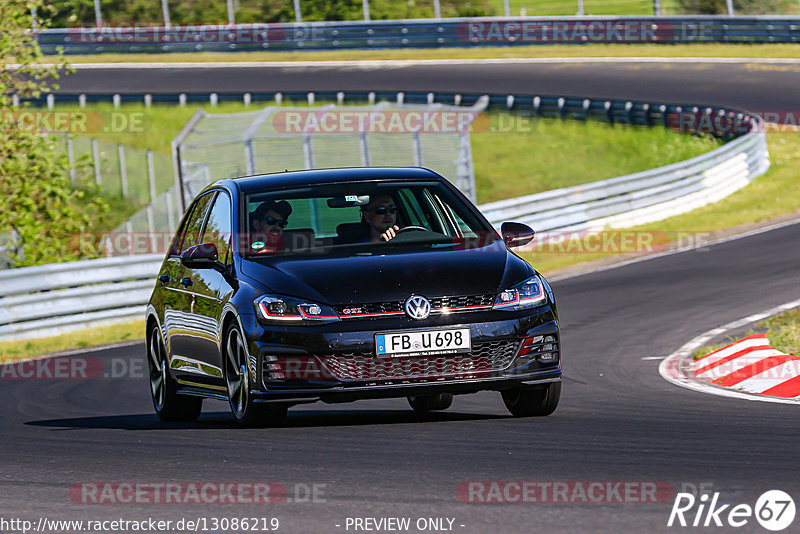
x=186, y=282
x=164, y=279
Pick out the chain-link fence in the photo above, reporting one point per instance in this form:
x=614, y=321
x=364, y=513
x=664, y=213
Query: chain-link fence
x=142, y=179
x=120, y=171
x=214, y=146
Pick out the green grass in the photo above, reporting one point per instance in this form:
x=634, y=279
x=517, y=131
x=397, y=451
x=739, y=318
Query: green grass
x=754, y=51
x=782, y=330
x=590, y=7
x=771, y=195
x=88, y=337
x=550, y=154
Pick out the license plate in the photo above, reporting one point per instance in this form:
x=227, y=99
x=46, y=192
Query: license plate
x=423, y=343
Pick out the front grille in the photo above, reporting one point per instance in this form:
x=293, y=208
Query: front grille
x=438, y=305
x=485, y=358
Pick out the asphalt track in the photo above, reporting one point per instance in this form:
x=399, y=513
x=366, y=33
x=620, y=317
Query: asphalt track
x=618, y=419
x=749, y=84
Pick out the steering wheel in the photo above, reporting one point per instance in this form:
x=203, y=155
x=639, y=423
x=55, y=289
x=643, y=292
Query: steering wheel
x=412, y=227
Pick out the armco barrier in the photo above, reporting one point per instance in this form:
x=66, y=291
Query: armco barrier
x=51, y=299
x=422, y=33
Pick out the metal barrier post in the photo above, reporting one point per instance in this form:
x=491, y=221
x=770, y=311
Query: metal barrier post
x=416, y=149
x=96, y=157
x=165, y=12
x=298, y=17
x=123, y=172
x=71, y=158
x=151, y=175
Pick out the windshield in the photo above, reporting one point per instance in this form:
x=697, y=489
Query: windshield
x=363, y=216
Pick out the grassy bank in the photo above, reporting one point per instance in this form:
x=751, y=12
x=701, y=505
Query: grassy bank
x=90, y=337
x=754, y=51
x=782, y=330
x=771, y=195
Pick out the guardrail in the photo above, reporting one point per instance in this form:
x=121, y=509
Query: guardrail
x=51, y=299
x=422, y=33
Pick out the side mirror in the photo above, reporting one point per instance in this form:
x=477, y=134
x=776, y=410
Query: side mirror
x=202, y=256
x=516, y=234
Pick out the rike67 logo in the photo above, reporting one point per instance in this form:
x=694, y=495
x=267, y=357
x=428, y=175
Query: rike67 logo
x=774, y=510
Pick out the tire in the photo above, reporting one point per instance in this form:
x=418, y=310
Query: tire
x=169, y=405
x=532, y=402
x=427, y=403
x=238, y=382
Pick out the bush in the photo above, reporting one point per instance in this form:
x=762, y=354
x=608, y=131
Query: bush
x=38, y=199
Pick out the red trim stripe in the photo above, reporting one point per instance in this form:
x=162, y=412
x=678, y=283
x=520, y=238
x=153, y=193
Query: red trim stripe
x=754, y=336
x=726, y=359
x=787, y=390
x=345, y=316
x=753, y=369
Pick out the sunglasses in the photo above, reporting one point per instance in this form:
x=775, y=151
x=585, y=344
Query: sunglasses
x=272, y=221
x=380, y=210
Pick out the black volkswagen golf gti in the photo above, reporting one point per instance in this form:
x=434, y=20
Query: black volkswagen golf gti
x=345, y=284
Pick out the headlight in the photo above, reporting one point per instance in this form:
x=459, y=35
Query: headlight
x=280, y=308
x=528, y=294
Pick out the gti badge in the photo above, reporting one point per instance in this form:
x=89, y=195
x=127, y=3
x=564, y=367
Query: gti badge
x=418, y=307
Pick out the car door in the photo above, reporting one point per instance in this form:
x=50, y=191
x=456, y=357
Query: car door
x=212, y=288
x=187, y=334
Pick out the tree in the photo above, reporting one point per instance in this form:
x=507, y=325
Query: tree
x=38, y=199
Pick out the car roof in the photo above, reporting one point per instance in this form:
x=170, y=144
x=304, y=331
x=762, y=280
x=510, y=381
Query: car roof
x=280, y=180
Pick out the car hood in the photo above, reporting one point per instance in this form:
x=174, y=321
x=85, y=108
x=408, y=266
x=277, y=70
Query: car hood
x=392, y=276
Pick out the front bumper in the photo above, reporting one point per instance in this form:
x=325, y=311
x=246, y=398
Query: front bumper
x=336, y=362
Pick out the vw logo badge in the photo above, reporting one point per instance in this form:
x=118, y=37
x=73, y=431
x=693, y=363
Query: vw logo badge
x=418, y=307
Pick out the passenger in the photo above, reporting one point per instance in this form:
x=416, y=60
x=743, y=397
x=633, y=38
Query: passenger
x=268, y=222
x=380, y=216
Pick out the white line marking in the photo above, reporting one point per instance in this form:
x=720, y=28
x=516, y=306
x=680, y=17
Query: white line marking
x=376, y=63
x=672, y=367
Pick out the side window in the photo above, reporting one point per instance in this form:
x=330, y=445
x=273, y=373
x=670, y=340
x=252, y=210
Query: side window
x=218, y=228
x=413, y=209
x=463, y=227
x=195, y=222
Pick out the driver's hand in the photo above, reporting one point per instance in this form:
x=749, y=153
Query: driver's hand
x=390, y=233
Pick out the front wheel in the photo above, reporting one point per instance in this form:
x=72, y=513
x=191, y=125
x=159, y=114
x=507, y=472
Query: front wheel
x=523, y=402
x=168, y=404
x=239, y=384
x=427, y=403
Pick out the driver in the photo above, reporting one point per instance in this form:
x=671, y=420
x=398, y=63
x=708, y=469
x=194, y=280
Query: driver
x=268, y=222
x=380, y=216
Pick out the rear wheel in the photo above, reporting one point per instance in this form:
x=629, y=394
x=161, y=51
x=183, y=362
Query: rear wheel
x=238, y=380
x=427, y=403
x=168, y=404
x=523, y=402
